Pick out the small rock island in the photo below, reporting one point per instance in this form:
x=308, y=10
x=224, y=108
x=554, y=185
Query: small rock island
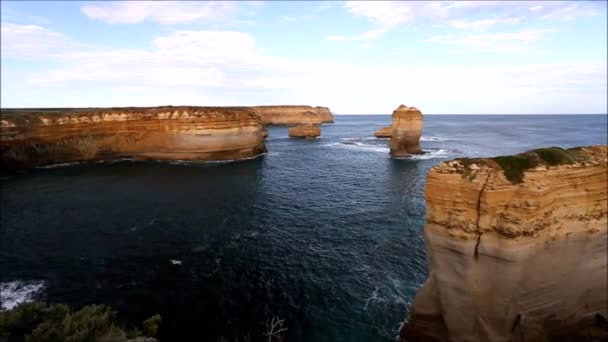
x=305, y=131
x=516, y=248
x=406, y=132
x=384, y=132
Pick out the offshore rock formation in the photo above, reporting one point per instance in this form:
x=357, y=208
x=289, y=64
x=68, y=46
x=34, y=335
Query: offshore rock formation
x=36, y=137
x=384, y=132
x=516, y=249
x=304, y=131
x=294, y=115
x=406, y=133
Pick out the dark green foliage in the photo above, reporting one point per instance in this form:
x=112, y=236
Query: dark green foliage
x=150, y=326
x=554, y=155
x=39, y=322
x=514, y=166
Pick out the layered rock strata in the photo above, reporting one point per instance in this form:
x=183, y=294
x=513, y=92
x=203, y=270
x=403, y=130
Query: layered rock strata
x=406, y=131
x=294, y=115
x=516, y=249
x=305, y=131
x=32, y=138
x=384, y=132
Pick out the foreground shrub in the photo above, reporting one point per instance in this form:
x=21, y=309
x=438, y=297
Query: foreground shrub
x=40, y=322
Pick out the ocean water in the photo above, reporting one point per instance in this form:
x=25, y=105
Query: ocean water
x=324, y=233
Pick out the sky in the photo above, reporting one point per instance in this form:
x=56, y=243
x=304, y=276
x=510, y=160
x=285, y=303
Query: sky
x=356, y=57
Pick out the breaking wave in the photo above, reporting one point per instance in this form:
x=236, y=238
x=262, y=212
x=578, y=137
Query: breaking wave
x=16, y=292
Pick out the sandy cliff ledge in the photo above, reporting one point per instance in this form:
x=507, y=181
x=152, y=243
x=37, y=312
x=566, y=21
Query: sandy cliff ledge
x=36, y=137
x=516, y=249
x=294, y=115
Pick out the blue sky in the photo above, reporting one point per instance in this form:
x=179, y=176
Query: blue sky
x=444, y=57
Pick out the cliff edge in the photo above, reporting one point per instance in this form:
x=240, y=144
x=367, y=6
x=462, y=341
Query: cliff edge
x=516, y=249
x=37, y=137
x=294, y=115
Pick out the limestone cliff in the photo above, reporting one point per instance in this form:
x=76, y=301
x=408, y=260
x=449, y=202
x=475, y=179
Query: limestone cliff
x=36, y=137
x=294, y=115
x=516, y=249
x=406, y=132
x=384, y=132
x=305, y=131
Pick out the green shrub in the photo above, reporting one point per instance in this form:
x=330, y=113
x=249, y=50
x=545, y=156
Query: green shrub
x=554, y=155
x=39, y=322
x=150, y=326
x=514, y=166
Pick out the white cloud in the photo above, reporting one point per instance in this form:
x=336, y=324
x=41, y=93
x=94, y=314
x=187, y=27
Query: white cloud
x=29, y=40
x=495, y=42
x=482, y=24
x=368, y=35
x=227, y=68
x=163, y=12
x=387, y=15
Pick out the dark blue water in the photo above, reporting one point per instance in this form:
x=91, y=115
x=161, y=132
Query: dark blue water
x=326, y=233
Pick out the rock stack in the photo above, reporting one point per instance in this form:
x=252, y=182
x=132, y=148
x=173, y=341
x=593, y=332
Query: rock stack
x=406, y=131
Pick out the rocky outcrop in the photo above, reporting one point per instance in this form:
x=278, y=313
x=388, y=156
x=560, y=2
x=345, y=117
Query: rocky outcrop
x=516, y=249
x=406, y=133
x=294, y=115
x=305, y=131
x=384, y=132
x=49, y=136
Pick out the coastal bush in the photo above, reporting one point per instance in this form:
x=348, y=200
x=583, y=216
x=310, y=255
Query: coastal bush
x=554, y=155
x=150, y=326
x=40, y=322
x=514, y=166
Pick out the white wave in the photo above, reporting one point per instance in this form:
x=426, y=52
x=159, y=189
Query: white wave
x=425, y=138
x=432, y=154
x=16, y=292
x=359, y=146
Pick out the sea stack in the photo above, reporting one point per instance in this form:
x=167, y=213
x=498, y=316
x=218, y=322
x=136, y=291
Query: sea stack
x=38, y=137
x=406, y=132
x=384, y=132
x=516, y=249
x=294, y=115
x=305, y=131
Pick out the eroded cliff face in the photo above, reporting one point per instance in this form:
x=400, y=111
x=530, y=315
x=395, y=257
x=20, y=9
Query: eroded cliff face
x=294, y=115
x=406, y=131
x=516, y=249
x=50, y=136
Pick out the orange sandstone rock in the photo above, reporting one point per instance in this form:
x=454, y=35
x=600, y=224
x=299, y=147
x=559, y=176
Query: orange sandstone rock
x=36, y=137
x=294, y=115
x=305, y=131
x=516, y=247
x=406, y=131
x=384, y=132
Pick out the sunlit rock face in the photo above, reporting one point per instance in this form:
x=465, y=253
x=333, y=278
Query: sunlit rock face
x=384, y=132
x=305, y=131
x=37, y=137
x=516, y=249
x=406, y=131
x=294, y=115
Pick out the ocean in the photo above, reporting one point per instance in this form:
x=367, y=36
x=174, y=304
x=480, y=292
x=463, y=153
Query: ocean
x=326, y=234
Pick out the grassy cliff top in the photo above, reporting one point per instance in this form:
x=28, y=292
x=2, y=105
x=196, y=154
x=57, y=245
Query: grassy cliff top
x=514, y=166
